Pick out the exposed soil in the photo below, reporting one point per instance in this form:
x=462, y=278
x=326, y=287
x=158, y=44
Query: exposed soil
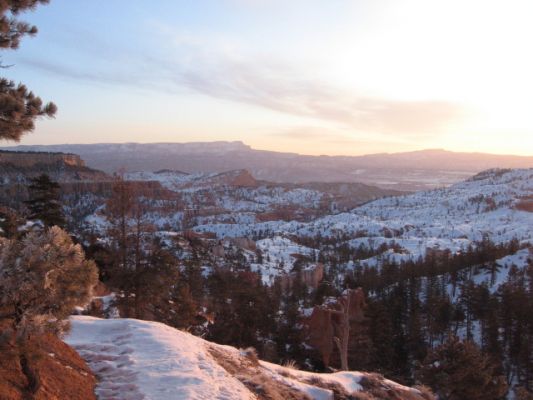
x=46, y=369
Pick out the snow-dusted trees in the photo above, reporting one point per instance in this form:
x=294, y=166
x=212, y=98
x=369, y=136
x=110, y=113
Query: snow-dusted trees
x=43, y=277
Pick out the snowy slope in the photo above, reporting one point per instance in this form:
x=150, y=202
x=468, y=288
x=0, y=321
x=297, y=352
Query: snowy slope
x=483, y=205
x=449, y=218
x=148, y=360
x=278, y=257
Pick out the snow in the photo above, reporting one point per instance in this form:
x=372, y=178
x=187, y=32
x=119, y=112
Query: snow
x=447, y=218
x=520, y=259
x=409, y=226
x=313, y=392
x=349, y=380
x=148, y=360
x=396, y=229
x=136, y=360
x=240, y=198
x=278, y=257
x=467, y=210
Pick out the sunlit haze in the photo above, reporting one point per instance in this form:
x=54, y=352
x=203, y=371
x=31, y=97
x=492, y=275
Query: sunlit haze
x=309, y=76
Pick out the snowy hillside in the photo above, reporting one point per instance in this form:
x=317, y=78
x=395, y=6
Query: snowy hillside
x=136, y=359
x=176, y=201
x=483, y=205
x=489, y=205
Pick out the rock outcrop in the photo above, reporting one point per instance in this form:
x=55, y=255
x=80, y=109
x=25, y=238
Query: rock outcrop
x=244, y=243
x=333, y=323
x=30, y=159
x=17, y=168
x=310, y=276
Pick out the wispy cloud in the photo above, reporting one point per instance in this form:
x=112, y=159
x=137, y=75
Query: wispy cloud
x=222, y=72
x=304, y=133
x=79, y=73
x=284, y=89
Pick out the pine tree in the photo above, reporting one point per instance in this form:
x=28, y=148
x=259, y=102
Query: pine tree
x=289, y=336
x=42, y=278
x=118, y=211
x=382, y=335
x=19, y=107
x=458, y=370
x=522, y=393
x=154, y=282
x=44, y=202
x=8, y=224
x=185, y=308
x=125, y=243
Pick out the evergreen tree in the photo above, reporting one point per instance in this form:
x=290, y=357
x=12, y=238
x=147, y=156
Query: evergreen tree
x=118, y=212
x=244, y=315
x=185, y=309
x=289, y=336
x=382, y=335
x=19, y=107
x=154, y=281
x=522, y=393
x=44, y=202
x=458, y=370
x=8, y=224
x=42, y=278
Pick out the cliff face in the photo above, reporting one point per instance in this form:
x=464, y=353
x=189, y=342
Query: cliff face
x=31, y=159
x=17, y=168
x=311, y=276
x=326, y=324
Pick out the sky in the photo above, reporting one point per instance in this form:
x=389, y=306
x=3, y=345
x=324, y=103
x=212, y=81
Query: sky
x=330, y=77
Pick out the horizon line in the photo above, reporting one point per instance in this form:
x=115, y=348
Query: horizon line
x=440, y=149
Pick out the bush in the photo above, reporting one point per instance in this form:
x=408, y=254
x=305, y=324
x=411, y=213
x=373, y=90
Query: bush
x=43, y=277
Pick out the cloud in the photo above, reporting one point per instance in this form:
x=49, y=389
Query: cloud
x=78, y=73
x=224, y=71
x=304, y=132
x=326, y=136
x=284, y=90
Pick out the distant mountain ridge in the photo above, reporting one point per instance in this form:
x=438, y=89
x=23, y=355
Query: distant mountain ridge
x=32, y=158
x=18, y=167
x=404, y=171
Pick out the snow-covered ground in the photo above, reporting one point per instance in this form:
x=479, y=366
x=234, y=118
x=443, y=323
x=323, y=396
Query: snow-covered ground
x=238, y=198
x=521, y=259
x=450, y=218
x=278, y=257
x=137, y=360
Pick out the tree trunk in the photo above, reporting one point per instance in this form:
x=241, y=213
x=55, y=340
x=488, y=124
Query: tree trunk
x=342, y=328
